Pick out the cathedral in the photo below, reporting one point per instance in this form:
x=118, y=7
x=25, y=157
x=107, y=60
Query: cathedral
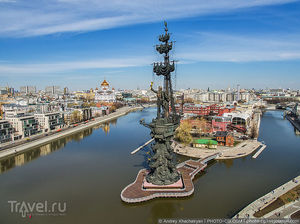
x=105, y=94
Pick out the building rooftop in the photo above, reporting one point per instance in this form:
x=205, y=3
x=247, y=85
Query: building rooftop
x=104, y=83
x=221, y=133
x=205, y=141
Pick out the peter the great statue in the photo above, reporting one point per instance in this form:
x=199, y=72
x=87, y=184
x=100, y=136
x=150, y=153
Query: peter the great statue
x=162, y=163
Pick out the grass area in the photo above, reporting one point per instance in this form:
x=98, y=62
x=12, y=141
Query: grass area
x=292, y=195
x=286, y=198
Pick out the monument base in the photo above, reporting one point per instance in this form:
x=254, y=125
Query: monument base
x=140, y=190
x=175, y=186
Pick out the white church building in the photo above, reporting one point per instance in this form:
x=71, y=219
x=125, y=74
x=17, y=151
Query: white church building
x=105, y=94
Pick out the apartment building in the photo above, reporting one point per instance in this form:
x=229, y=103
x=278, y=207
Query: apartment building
x=50, y=121
x=24, y=125
x=6, y=131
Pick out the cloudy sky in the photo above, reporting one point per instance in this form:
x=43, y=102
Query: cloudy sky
x=219, y=43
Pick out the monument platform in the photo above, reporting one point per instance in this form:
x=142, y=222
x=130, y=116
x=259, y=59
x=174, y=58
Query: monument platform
x=140, y=190
x=175, y=186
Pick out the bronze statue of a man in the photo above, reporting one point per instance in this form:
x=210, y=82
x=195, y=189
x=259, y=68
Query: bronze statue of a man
x=160, y=98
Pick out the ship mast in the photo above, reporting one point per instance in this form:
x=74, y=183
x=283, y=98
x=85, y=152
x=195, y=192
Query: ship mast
x=162, y=163
x=165, y=70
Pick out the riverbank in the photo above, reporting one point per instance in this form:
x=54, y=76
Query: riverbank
x=294, y=122
x=266, y=200
x=242, y=149
x=44, y=140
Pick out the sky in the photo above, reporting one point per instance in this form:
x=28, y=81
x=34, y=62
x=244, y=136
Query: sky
x=219, y=43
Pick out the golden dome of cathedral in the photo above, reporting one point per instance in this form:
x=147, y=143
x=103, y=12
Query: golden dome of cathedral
x=104, y=83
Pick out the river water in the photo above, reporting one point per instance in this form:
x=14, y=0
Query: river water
x=88, y=170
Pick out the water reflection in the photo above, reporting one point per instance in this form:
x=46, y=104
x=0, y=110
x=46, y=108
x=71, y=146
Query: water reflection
x=163, y=209
x=297, y=133
x=27, y=156
x=90, y=175
x=228, y=163
x=145, y=157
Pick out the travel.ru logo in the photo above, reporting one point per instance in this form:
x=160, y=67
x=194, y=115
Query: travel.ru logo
x=38, y=208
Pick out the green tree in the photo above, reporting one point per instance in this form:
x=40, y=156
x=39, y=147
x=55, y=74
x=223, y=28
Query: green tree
x=183, y=133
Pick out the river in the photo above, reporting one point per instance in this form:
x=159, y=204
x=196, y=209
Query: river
x=88, y=170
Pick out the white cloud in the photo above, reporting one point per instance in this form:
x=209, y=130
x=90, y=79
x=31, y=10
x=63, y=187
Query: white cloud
x=58, y=67
x=42, y=17
x=239, y=48
x=203, y=47
x=7, y=1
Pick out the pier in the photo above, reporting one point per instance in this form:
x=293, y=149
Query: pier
x=262, y=147
x=136, y=192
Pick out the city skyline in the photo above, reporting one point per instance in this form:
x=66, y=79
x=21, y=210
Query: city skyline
x=218, y=45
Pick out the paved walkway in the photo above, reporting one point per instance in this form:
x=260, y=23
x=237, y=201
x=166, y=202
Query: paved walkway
x=267, y=199
x=243, y=149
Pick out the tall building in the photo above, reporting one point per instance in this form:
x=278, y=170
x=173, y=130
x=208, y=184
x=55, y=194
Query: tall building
x=222, y=96
x=28, y=89
x=51, y=90
x=238, y=92
x=66, y=90
x=3, y=90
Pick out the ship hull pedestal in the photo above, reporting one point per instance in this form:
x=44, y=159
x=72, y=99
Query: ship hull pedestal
x=141, y=190
x=175, y=186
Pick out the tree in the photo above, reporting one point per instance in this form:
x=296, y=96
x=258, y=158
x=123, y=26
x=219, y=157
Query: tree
x=69, y=105
x=92, y=104
x=30, y=110
x=201, y=126
x=76, y=116
x=254, y=131
x=118, y=105
x=183, y=133
x=85, y=104
x=112, y=109
x=189, y=100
